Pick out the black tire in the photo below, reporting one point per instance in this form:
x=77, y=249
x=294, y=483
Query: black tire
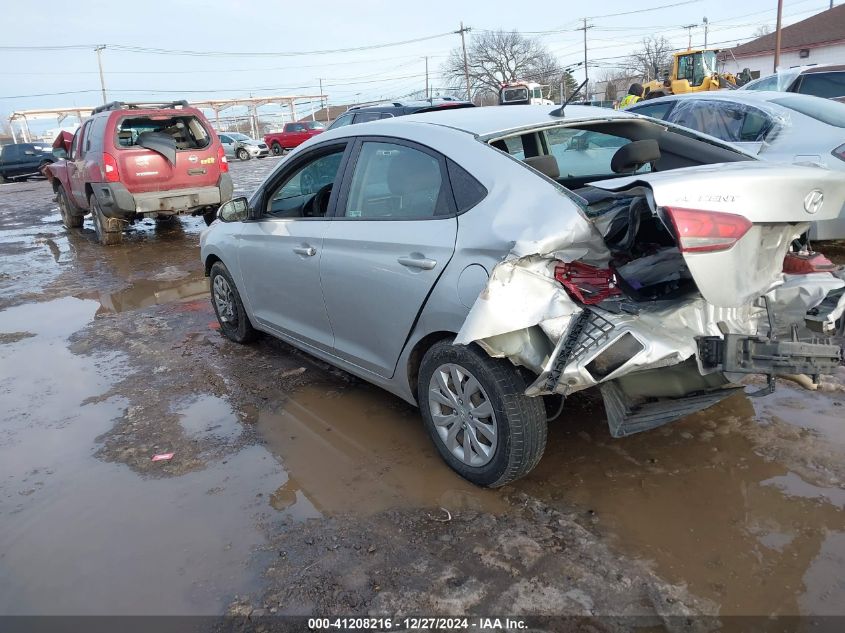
x=277, y=149
x=106, y=238
x=520, y=421
x=165, y=219
x=236, y=326
x=72, y=216
x=243, y=154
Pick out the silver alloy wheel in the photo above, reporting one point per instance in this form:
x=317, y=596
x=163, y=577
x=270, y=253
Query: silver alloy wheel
x=224, y=300
x=462, y=414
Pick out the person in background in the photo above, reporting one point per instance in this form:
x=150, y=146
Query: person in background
x=635, y=93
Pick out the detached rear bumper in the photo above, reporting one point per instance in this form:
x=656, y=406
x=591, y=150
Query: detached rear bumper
x=117, y=202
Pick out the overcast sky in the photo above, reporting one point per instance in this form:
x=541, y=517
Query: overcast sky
x=270, y=26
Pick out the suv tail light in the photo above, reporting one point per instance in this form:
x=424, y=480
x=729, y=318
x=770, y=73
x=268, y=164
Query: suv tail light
x=110, y=168
x=839, y=152
x=707, y=231
x=588, y=284
x=221, y=158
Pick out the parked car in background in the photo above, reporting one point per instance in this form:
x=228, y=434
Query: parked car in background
x=130, y=161
x=22, y=160
x=237, y=145
x=827, y=82
x=292, y=135
x=480, y=266
x=774, y=126
x=364, y=114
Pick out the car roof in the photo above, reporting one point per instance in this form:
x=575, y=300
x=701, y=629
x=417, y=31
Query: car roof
x=490, y=120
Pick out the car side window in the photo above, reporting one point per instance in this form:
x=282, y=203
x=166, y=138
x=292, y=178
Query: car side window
x=343, y=119
x=768, y=83
x=827, y=85
x=77, y=141
x=225, y=139
x=305, y=192
x=366, y=117
x=393, y=181
x=654, y=110
x=584, y=152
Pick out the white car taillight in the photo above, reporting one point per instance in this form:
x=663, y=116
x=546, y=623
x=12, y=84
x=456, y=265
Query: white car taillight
x=707, y=231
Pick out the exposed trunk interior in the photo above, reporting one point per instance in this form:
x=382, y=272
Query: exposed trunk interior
x=645, y=255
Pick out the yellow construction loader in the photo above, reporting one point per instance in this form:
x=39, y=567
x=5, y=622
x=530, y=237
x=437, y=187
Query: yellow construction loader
x=692, y=71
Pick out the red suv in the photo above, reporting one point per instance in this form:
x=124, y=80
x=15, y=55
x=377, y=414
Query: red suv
x=293, y=135
x=130, y=161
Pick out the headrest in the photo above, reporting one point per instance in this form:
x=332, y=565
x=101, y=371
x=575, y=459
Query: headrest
x=546, y=165
x=629, y=158
x=412, y=172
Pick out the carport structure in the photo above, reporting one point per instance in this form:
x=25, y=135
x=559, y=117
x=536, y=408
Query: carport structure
x=59, y=114
x=253, y=103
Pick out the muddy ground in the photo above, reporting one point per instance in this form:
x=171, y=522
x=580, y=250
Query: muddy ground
x=297, y=489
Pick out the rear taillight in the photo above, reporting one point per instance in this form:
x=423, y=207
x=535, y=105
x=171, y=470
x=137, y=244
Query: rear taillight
x=839, y=152
x=805, y=263
x=707, y=231
x=588, y=284
x=221, y=158
x=110, y=168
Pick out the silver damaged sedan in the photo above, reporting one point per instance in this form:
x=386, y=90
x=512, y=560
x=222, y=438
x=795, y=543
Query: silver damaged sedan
x=485, y=263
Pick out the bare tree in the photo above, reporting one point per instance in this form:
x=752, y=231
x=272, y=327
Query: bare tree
x=653, y=58
x=497, y=57
x=763, y=29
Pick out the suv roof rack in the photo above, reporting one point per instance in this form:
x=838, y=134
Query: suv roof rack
x=122, y=105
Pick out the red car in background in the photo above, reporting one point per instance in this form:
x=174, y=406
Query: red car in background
x=130, y=161
x=292, y=135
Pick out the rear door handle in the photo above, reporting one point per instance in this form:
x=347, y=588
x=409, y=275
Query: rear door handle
x=307, y=251
x=418, y=262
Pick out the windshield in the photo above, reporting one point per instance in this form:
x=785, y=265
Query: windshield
x=314, y=125
x=708, y=59
x=237, y=136
x=514, y=94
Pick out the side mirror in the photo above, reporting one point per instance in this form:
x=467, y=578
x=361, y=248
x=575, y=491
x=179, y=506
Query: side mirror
x=60, y=153
x=236, y=210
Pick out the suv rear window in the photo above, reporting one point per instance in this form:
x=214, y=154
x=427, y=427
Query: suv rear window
x=187, y=131
x=829, y=112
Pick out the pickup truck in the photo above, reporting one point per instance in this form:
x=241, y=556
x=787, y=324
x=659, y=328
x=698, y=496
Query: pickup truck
x=292, y=135
x=131, y=161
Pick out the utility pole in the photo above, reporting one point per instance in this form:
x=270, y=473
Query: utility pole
x=426, y=78
x=706, y=26
x=463, y=30
x=778, y=34
x=98, y=50
x=586, y=74
x=320, y=79
x=689, y=28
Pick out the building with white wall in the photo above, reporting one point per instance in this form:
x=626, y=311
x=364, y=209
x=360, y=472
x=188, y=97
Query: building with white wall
x=819, y=39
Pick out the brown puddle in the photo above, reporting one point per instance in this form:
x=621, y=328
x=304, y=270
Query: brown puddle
x=143, y=293
x=704, y=508
x=360, y=450
x=83, y=536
